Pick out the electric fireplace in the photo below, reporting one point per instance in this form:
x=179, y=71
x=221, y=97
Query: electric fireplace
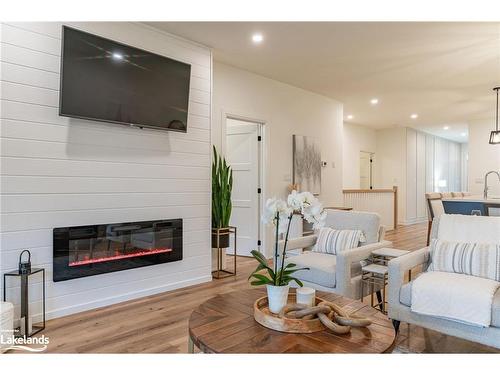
x=94, y=249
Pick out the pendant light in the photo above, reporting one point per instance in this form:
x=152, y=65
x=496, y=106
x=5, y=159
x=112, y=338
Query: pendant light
x=495, y=134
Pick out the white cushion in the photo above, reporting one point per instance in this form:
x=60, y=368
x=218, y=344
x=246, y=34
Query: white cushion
x=367, y=222
x=334, y=241
x=469, y=228
x=405, y=294
x=322, y=268
x=475, y=259
x=405, y=299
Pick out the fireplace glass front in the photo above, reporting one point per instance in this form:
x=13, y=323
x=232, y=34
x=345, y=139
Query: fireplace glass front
x=94, y=249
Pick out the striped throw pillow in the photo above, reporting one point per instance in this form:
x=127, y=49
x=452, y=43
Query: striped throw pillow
x=333, y=241
x=475, y=259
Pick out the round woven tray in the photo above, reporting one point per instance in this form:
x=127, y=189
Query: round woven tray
x=266, y=318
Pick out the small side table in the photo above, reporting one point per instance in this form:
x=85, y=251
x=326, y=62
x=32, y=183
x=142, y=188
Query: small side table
x=375, y=275
x=385, y=254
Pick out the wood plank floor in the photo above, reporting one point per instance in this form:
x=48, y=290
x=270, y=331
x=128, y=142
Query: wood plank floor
x=409, y=237
x=158, y=324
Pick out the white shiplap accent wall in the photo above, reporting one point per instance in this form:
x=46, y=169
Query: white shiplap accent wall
x=58, y=171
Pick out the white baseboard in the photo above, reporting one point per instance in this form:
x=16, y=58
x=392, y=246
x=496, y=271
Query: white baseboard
x=57, y=313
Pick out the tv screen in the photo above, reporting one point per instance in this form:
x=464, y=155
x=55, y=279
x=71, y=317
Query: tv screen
x=108, y=81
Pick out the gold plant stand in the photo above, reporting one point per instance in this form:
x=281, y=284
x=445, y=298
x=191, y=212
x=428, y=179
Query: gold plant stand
x=221, y=272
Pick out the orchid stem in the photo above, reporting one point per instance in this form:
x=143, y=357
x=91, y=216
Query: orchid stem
x=284, y=247
x=276, y=248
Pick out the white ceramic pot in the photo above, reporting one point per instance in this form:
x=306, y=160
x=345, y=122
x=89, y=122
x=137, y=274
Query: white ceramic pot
x=277, y=297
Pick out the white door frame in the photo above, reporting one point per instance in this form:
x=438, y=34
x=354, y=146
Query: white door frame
x=263, y=132
x=372, y=169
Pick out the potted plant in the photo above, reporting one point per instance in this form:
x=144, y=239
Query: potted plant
x=277, y=276
x=222, y=184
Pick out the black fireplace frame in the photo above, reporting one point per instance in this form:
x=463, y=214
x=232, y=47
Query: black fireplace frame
x=61, y=265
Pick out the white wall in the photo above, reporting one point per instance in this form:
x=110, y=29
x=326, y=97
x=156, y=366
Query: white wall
x=58, y=171
x=464, y=160
x=415, y=161
x=286, y=110
x=483, y=157
x=448, y=165
x=390, y=166
x=357, y=138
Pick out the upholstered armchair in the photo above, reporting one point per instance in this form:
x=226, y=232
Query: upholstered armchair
x=400, y=291
x=339, y=273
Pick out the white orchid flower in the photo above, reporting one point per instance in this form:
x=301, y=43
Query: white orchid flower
x=305, y=203
x=280, y=213
x=314, y=214
x=283, y=224
x=296, y=200
x=269, y=213
x=282, y=207
x=277, y=207
x=319, y=218
x=308, y=199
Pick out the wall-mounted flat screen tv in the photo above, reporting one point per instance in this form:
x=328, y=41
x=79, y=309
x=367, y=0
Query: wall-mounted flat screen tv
x=109, y=81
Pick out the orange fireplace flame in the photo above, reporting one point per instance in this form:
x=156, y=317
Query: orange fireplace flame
x=117, y=256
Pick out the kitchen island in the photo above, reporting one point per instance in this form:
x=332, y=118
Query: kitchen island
x=472, y=205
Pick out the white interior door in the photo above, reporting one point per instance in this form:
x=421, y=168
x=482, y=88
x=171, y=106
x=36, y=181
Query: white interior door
x=242, y=153
x=365, y=170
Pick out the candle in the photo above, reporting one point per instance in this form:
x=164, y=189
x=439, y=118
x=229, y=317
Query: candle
x=23, y=326
x=306, y=296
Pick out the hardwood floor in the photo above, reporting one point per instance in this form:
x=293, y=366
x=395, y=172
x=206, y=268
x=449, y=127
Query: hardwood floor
x=409, y=237
x=158, y=324
x=155, y=324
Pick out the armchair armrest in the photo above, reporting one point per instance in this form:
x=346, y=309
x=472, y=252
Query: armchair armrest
x=399, y=266
x=381, y=233
x=346, y=258
x=298, y=243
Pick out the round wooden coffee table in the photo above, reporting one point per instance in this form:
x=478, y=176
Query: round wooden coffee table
x=225, y=324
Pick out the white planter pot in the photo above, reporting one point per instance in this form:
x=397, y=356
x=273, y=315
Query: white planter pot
x=277, y=297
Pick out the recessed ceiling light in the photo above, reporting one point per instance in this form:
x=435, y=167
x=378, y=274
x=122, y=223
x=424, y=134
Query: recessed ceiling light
x=446, y=127
x=374, y=101
x=414, y=116
x=257, y=38
x=350, y=117
x=117, y=56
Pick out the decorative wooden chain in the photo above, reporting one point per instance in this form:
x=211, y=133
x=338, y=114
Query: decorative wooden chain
x=332, y=316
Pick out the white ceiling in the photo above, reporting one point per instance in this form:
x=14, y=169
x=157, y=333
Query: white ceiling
x=458, y=132
x=445, y=72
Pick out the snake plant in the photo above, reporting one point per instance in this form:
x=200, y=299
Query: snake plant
x=222, y=184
